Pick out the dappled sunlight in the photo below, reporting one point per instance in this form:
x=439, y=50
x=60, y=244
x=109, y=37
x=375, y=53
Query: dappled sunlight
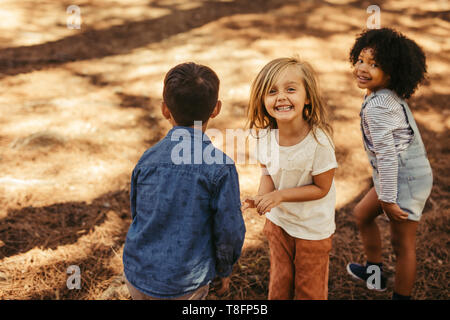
x=32, y=23
x=336, y=20
x=76, y=138
x=437, y=122
x=430, y=6
x=99, y=14
x=38, y=22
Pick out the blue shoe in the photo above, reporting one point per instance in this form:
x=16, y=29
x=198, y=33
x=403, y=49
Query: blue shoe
x=368, y=273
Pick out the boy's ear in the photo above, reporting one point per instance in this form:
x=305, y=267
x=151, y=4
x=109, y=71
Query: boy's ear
x=165, y=111
x=217, y=109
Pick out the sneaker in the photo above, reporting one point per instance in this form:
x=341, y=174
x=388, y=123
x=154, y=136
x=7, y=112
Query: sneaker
x=361, y=272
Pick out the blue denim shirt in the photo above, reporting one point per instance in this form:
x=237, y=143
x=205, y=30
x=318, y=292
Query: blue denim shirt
x=187, y=223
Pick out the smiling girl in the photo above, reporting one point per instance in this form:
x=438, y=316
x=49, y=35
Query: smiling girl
x=296, y=190
x=389, y=67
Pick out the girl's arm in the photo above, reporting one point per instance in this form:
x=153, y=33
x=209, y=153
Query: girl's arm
x=317, y=190
x=266, y=183
x=265, y=186
x=382, y=119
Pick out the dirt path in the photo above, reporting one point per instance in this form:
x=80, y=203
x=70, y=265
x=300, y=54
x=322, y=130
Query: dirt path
x=79, y=107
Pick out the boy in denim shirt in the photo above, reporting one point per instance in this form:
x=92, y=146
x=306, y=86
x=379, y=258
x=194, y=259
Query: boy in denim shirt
x=187, y=223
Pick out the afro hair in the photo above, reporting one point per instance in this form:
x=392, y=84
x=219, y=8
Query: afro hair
x=397, y=56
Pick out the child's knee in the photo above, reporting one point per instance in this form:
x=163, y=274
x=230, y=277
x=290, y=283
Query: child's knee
x=359, y=216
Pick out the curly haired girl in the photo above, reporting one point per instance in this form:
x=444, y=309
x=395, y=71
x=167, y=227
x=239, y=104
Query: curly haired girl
x=389, y=66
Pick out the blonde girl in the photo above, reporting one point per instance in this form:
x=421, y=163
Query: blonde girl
x=296, y=191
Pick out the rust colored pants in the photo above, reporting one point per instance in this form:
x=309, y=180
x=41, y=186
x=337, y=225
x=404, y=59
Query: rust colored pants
x=298, y=267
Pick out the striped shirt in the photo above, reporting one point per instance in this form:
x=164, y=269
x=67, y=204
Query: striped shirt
x=386, y=133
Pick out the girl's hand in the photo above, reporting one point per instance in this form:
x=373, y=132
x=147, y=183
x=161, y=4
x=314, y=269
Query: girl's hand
x=267, y=202
x=394, y=212
x=248, y=202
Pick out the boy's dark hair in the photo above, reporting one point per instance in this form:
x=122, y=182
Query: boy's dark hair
x=191, y=92
x=398, y=56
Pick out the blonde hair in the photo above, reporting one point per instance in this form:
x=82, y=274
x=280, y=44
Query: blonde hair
x=315, y=115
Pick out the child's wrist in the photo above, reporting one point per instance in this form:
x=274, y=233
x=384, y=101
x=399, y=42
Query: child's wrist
x=280, y=194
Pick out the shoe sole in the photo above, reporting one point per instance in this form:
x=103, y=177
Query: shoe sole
x=368, y=285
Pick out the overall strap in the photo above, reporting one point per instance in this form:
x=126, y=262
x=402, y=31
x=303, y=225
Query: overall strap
x=412, y=123
x=409, y=116
x=411, y=120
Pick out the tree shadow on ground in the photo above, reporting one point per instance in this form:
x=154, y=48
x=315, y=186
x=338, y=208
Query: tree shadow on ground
x=92, y=44
x=101, y=227
x=55, y=225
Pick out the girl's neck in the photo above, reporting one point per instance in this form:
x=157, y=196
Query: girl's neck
x=290, y=134
x=369, y=92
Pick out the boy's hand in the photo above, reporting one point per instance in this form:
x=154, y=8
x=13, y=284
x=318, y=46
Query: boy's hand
x=248, y=202
x=393, y=211
x=224, y=286
x=268, y=201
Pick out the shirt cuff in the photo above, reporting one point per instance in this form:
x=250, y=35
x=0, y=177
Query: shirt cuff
x=387, y=199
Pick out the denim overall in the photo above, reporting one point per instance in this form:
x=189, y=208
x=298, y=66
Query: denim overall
x=415, y=177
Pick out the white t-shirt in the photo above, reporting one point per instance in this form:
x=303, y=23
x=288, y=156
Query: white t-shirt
x=295, y=166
